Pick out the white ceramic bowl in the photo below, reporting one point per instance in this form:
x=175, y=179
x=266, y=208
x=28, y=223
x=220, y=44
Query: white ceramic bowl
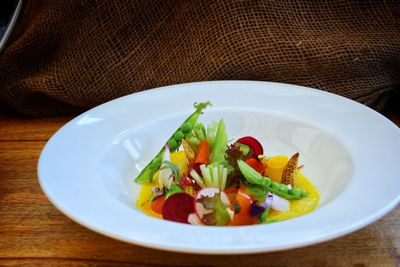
x=350, y=152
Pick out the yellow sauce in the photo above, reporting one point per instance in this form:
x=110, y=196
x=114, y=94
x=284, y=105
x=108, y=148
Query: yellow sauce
x=301, y=206
x=143, y=202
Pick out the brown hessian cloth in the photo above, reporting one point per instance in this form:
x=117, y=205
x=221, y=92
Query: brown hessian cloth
x=69, y=55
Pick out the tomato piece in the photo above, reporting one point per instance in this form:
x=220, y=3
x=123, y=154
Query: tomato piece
x=256, y=165
x=157, y=204
x=243, y=217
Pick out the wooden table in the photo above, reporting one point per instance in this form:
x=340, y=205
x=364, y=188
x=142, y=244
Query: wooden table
x=33, y=232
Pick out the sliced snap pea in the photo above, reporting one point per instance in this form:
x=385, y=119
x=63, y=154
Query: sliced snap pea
x=186, y=127
x=266, y=182
x=303, y=193
x=284, y=195
x=173, y=144
x=251, y=175
x=283, y=191
x=295, y=192
x=178, y=136
x=275, y=185
x=283, y=188
x=146, y=175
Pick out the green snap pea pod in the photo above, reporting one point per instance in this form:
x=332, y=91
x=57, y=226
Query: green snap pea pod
x=291, y=194
x=146, y=175
x=253, y=177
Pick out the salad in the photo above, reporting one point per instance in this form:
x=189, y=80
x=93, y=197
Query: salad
x=201, y=177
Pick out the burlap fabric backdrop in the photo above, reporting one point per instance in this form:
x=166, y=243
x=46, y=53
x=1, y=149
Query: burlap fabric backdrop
x=67, y=56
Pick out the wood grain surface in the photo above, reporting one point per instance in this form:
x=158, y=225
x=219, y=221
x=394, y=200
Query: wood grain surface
x=34, y=233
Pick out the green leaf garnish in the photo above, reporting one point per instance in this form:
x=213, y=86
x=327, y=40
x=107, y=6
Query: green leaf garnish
x=174, y=188
x=173, y=167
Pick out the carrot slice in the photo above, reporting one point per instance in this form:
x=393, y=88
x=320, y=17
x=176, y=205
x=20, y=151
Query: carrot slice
x=202, y=156
x=157, y=204
x=243, y=217
x=231, y=193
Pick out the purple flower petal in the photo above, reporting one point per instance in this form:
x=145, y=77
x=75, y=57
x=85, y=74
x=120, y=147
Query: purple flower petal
x=255, y=209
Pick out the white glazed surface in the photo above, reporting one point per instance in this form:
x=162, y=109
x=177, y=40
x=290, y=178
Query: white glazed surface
x=350, y=153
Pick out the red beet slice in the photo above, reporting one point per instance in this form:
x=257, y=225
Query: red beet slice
x=177, y=207
x=253, y=144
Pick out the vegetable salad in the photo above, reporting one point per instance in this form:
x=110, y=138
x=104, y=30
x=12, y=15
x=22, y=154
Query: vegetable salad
x=201, y=177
